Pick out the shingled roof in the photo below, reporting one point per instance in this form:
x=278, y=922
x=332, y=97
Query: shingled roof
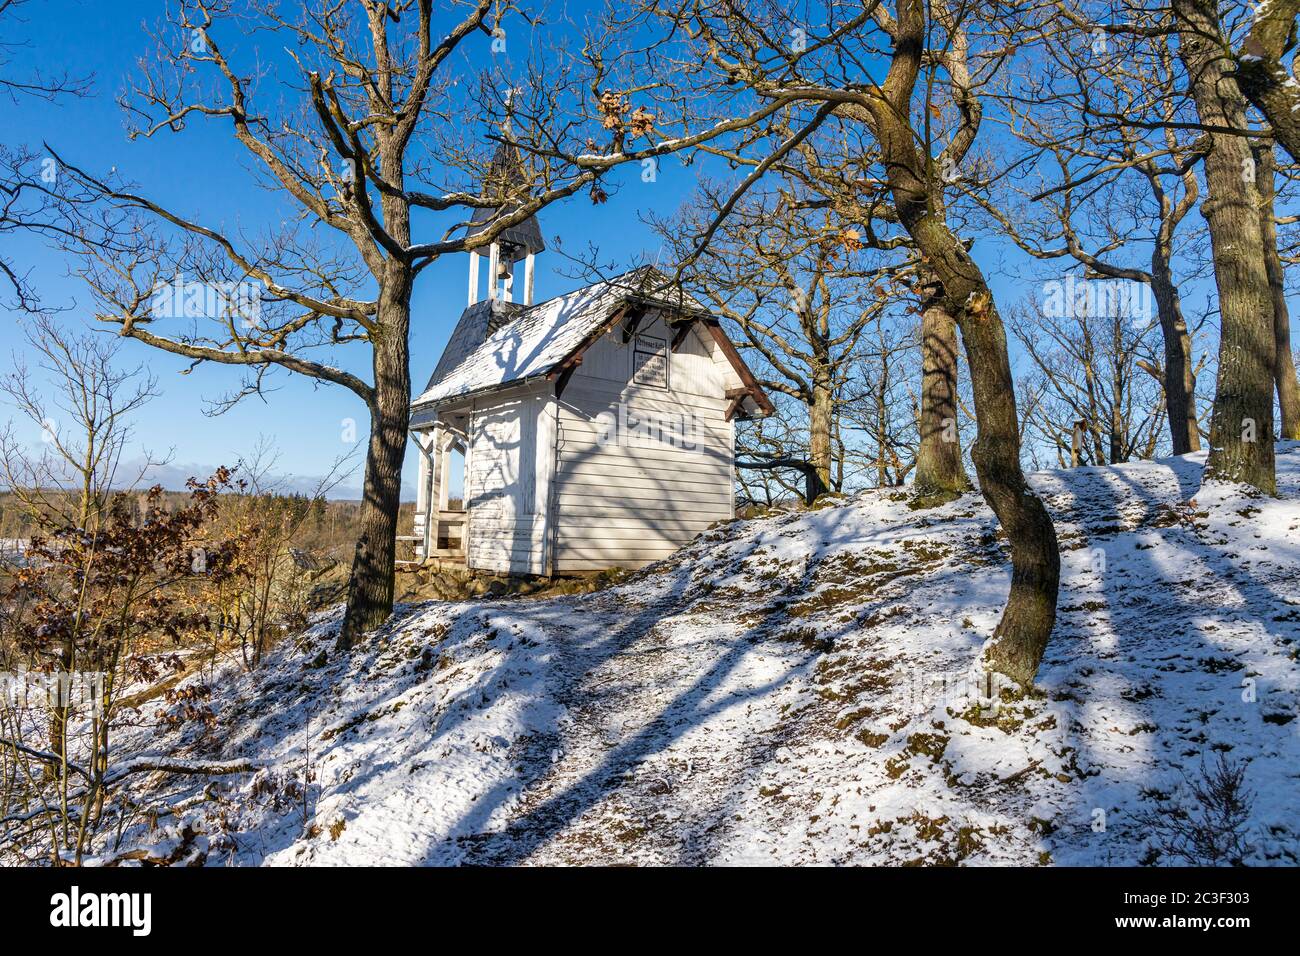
x=541, y=336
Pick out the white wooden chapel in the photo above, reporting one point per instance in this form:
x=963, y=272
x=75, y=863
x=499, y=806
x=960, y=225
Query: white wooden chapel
x=597, y=428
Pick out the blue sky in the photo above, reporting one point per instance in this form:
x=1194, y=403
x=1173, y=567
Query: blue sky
x=202, y=173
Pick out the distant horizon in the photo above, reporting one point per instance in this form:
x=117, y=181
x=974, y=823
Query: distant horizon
x=172, y=477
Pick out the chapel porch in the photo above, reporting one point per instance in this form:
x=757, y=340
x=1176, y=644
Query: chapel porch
x=440, y=527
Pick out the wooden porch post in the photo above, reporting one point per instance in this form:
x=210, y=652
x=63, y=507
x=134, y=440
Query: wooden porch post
x=433, y=493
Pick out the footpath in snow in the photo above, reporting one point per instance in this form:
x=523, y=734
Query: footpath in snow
x=793, y=689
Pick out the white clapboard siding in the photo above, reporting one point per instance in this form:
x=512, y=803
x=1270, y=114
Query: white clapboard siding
x=634, y=523
x=629, y=466
x=625, y=499
x=601, y=514
x=647, y=429
x=696, y=368
x=652, y=398
x=642, y=486
x=507, y=483
x=668, y=436
x=650, y=535
x=700, y=368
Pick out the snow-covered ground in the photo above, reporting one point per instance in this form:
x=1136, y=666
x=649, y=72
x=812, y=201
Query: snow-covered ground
x=794, y=689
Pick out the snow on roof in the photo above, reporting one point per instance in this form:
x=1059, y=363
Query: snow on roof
x=543, y=335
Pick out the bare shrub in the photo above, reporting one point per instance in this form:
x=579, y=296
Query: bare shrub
x=89, y=609
x=1207, y=824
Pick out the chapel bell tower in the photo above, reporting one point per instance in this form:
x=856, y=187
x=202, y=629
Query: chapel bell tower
x=516, y=245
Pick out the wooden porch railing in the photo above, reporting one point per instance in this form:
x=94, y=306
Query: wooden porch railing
x=447, y=542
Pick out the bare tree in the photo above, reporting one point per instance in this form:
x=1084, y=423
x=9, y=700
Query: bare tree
x=1114, y=174
x=85, y=428
x=887, y=109
x=1284, y=373
x=1265, y=79
x=373, y=108
x=772, y=462
x=82, y=400
x=940, y=474
x=1241, y=429
x=28, y=202
x=840, y=174
x=882, y=410
x=801, y=289
x=1089, y=374
x=927, y=54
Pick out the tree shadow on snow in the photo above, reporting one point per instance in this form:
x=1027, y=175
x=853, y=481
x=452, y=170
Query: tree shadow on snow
x=1141, y=645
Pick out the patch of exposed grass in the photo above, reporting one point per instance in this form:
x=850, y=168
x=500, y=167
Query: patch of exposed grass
x=928, y=745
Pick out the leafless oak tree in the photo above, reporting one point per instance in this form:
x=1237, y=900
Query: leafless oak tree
x=802, y=288
x=1111, y=174
x=1265, y=78
x=1241, y=428
x=353, y=111
x=773, y=53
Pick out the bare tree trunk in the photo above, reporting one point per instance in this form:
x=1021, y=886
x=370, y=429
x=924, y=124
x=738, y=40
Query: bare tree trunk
x=1021, y=636
x=60, y=710
x=1180, y=374
x=1026, y=625
x=880, y=426
x=940, y=475
x=1241, y=428
x=820, y=451
x=372, y=581
x=373, y=578
x=1288, y=392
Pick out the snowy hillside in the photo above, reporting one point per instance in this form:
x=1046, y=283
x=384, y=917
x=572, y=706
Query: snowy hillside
x=792, y=689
